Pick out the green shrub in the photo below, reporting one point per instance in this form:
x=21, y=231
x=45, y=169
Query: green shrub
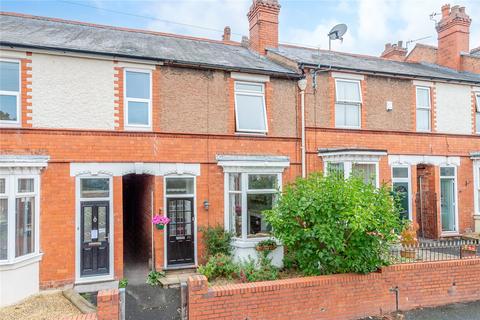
x=333, y=225
x=123, y=283
x=261, y=270
x=153, y=278
x=217, y=241
x=219, y=266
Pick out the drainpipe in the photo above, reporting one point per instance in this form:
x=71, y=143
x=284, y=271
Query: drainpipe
x=302, y=85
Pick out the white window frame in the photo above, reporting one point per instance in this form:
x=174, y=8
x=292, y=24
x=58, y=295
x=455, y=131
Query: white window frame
x=409, y=181
x=79, y=200
x=429, y=108
x=477, y=112
x=456, y=231
x=238, y=129
x=11, y=193
x=244, y=192
x=17, y=94
x=195, y=205
x=126, y=99
x=349, y=102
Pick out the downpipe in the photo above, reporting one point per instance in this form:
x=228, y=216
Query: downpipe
x=302, y=85
x=397, y=291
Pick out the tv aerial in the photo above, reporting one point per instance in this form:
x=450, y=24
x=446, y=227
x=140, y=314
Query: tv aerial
x=336, y=33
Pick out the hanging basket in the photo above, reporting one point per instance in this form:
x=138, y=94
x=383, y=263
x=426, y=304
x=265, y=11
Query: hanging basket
x=160, y=226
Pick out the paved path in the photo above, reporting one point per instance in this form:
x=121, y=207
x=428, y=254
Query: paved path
x=151, y=303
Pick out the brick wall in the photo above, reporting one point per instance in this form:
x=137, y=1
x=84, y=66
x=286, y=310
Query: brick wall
x=342, y=296
x=108, y=307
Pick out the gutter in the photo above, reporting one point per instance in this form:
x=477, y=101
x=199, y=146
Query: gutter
x=289, y=75
x=389, y=74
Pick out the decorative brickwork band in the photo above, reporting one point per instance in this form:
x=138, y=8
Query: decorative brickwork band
x=26, y=92
x=118, y=100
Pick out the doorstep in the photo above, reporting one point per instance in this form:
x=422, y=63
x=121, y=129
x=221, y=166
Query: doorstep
x=96, y=286
x=173, y=278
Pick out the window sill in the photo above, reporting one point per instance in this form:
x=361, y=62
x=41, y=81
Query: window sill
x=10, y=125
x=137, y=128
x=258, y=134
x=20, y=262
x=346, y=127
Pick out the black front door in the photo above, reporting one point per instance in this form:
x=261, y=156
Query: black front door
x=95, y=228
x=180, y=239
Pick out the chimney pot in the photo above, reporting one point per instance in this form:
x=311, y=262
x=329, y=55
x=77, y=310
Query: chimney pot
x=445, y=10
x=227, y=32
x=394, y=51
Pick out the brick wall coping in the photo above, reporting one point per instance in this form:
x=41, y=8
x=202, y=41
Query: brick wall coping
x=200, y=282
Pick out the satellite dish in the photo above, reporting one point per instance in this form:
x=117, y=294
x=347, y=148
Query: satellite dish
x=336, y=33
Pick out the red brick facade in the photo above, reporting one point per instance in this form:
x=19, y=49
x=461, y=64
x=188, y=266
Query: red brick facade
x=342, y=296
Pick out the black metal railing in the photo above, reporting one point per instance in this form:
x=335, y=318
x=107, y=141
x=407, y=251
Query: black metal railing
x=439, y=250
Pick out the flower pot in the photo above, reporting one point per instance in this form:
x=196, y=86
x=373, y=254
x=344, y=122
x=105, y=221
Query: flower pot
x=469, y=253
x=160, y=226
x=408, y=253
x=266, y=248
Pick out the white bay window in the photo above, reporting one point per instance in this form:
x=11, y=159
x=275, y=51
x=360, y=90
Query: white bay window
x=363, y=164
x=19, y=207
x=252, y=184
x=249, y=194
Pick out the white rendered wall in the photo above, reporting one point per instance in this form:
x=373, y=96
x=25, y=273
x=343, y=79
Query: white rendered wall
x=454, y=108
x=71, y=92
x=18, y=281
x=244, y=250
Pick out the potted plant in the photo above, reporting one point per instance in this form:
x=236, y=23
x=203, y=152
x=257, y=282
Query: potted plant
x=409, y=241
x=160, y=221
x=469, y=250
x=266, y=245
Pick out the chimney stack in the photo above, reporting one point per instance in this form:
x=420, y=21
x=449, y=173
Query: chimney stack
x=394, y=51
x=453, y=36
x=263, y=25
x=227, y=32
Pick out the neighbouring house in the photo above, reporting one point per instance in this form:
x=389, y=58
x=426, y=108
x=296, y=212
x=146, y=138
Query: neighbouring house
x=102, y=127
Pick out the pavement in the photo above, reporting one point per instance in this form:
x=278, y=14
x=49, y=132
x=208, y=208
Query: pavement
x=456, y=311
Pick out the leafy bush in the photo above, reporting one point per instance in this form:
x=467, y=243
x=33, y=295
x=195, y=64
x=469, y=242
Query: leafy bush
x=333, y=225
x=153, y=278
x=123, y=283
x=217, y=241
x=219, y=266
x=261, y=270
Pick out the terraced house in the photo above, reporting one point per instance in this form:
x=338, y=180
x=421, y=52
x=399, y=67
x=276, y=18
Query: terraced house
x=102, y=127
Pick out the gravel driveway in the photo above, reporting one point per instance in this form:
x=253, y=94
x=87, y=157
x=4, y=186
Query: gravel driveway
x=45, y=306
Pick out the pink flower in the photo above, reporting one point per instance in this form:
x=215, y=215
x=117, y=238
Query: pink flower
x=163, y=220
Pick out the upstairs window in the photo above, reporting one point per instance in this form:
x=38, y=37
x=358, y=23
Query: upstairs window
x=138, y=102
x=348, y=103
x=423, y=109
x=250, y=111
x=9, y=92
x=477, y=112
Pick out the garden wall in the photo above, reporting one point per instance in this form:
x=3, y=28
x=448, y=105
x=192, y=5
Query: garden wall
x=341, y=296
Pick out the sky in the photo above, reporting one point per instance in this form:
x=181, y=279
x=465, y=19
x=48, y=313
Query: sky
x=371, y=23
